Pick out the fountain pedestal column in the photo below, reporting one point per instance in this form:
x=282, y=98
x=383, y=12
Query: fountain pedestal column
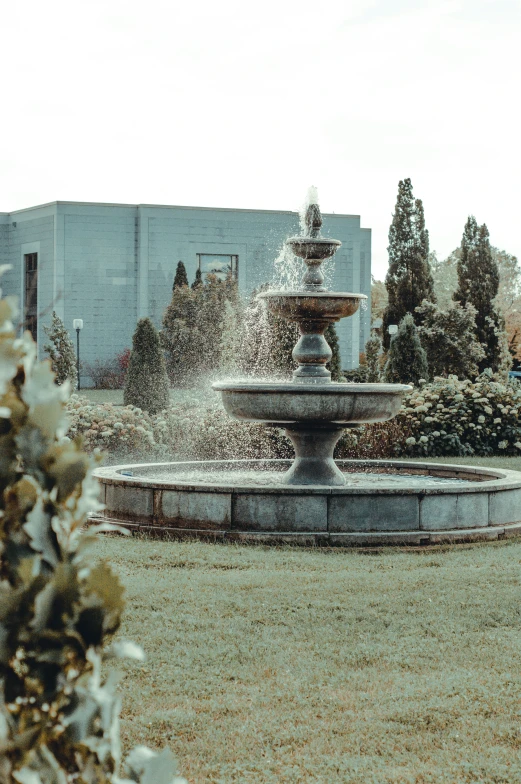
x=312, y=353
x=314, y=444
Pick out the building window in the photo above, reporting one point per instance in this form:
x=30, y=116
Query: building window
x=219, y=264
x=31, y=294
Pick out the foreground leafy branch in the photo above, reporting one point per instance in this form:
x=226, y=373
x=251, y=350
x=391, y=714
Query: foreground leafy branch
x=58, y=607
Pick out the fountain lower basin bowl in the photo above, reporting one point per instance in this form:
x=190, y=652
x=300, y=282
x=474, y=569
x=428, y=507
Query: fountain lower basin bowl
x=313, y=305
x=285, y=403
x=382, y=503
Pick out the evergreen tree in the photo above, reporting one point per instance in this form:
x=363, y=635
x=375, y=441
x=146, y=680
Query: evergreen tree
x=211, y=299
x=198, y=279
x=373, y=351
x=406, y=360
x=478, y=285
x=335, y=364
x=449, y=338
x=191, y=331
x=181, y=278
x=146, y=384
x=181, y=337
x=409, y=279
x=61, y=352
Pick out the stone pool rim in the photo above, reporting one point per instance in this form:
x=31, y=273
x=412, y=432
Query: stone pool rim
x=487, y=506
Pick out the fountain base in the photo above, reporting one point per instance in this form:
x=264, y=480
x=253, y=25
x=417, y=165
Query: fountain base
x=381, y=503
x=314, y=444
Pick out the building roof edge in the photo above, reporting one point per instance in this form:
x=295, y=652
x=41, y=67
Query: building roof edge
x=167, y=207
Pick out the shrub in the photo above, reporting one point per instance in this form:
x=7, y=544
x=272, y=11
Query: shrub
x=121, y=430
x=58, y=608
x=105, y=373
x=373, y=350
x=357, y=375
x=61, y=352
x=406, y=360
x=146, y=384
x=375, y=441
x=449, y=339
x=451, y=417
x=335, y=365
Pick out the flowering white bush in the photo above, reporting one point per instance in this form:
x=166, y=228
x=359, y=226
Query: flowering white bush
x=179, y=432
x=452, y=417
x=442, y=418
x=122, y=430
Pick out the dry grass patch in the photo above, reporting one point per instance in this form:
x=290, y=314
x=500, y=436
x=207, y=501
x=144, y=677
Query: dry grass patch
x=292, y=665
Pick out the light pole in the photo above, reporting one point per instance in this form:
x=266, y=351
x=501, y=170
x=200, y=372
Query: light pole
x=78, y=325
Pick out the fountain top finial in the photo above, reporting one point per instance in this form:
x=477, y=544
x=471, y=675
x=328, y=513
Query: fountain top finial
x=313, y=220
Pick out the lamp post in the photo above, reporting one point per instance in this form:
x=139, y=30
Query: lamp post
x=78, y=325
x=392, y=329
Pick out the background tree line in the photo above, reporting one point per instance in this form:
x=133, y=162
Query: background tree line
x=459, y=316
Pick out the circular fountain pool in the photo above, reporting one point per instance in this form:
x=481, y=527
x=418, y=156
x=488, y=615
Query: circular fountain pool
x=382, y=502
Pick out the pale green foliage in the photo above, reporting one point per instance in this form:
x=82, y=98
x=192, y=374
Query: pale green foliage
x=146, y=384
x=449, y=338
x=373, y=350
x=58, y=608
x=445, y=277
x=406, y=360
x=452, y=417
x=61, y=352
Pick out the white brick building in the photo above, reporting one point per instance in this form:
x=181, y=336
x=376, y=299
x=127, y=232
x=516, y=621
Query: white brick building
x=111, y=264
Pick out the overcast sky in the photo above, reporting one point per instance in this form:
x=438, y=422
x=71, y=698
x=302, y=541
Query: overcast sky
x=246, y=104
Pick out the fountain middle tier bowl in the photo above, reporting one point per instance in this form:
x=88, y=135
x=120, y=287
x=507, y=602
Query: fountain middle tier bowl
x=286, y=403
x=312, y=305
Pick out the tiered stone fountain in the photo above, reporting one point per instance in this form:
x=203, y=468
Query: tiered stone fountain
x=313, y=410
x=314, y=499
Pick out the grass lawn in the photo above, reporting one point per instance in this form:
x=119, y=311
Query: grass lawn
x=296, y=665
x=511, y=463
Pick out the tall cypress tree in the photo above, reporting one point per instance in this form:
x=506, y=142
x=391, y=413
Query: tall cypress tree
x=409, y=279
x=146, y=385
x=181, y=278
x=478, y=283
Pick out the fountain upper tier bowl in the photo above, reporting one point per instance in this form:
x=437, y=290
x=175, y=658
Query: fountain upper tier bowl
x=283, y=403
x=313, y=248
x=313, y=305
